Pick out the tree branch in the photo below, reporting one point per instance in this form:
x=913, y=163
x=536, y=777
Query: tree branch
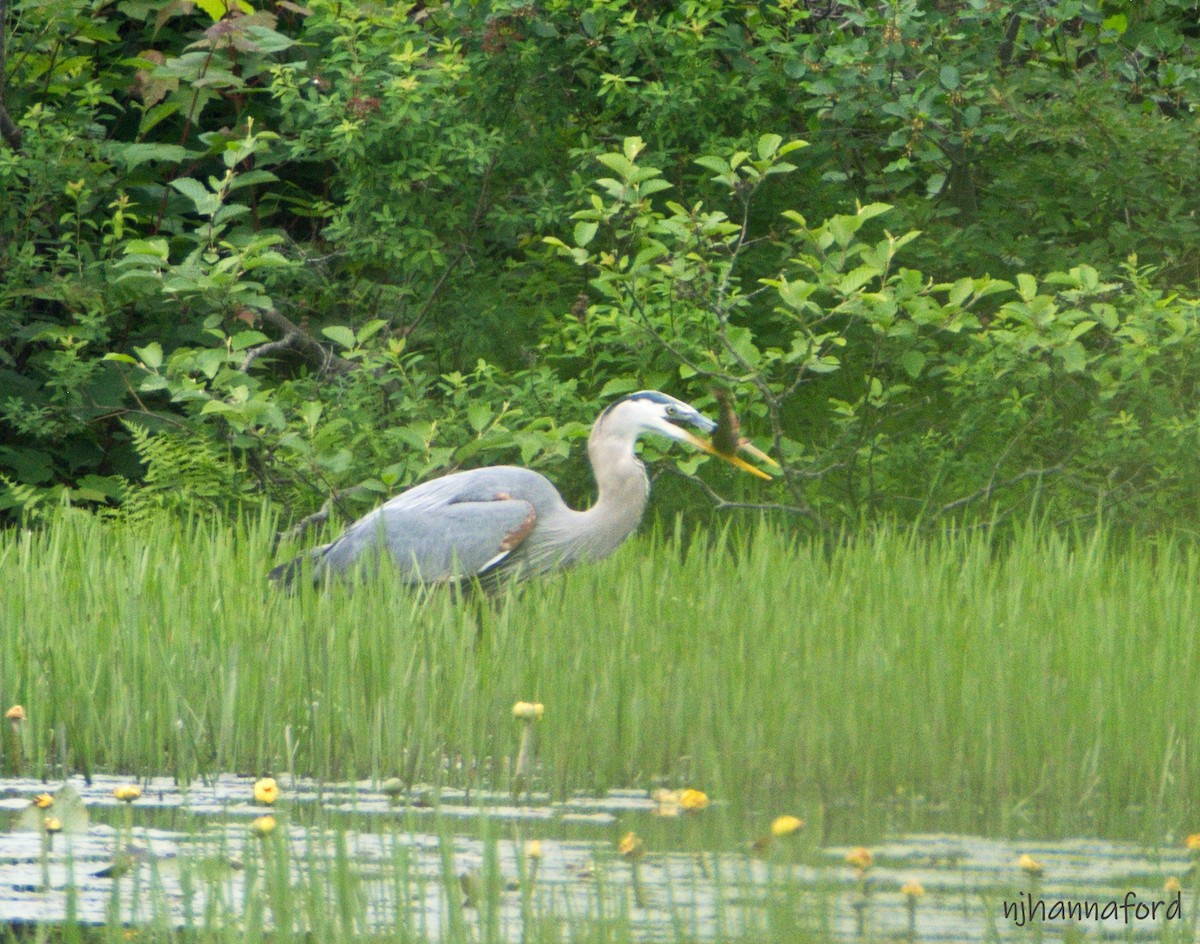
x=319, y=517
x=721, y=503
x=464, y=247
x=992, y=487
x=296, y=338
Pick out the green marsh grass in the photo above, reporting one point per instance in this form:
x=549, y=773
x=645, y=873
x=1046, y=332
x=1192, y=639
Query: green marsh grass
x=1047, y=685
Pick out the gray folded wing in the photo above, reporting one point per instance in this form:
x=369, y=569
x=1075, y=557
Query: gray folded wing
x=450, y=529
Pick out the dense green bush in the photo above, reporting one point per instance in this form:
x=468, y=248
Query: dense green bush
x=884, y=392
x=301, y=251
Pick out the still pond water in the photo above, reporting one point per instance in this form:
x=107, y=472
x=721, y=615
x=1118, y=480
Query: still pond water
x=446, y=864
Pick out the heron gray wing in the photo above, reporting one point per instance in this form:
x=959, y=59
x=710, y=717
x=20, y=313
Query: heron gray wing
x=452, y=528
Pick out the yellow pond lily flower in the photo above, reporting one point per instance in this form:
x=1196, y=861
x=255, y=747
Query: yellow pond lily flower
x=127, y=793
x=693, y=801
x=43, y=801
x=1172, y=885
x=1193, y=842
x=266, y=791
x=1029, y=864
x=533, y=849
x=53, y=824
x=15, y=713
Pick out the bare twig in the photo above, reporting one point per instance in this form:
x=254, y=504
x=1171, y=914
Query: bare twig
x=721, y=503
x=296, y=338
x=463, y=248
x=992, y=487
x=319, y=517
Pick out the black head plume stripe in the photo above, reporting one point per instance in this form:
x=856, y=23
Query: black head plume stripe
x=651, y=396
x=687, y=414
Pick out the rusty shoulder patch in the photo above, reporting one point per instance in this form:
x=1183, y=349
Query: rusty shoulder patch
x=514, y=538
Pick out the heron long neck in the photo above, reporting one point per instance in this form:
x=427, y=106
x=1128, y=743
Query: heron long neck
x=623, y=492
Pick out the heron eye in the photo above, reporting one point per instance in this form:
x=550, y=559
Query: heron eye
x=670, y=411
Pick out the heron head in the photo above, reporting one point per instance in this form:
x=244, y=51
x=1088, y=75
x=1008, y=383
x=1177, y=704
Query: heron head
x=649, y=411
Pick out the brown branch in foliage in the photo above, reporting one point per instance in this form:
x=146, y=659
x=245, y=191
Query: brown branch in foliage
x=481, y=206
x=992, y=487
x=296, y=338
x=8, y=128
x=721, y=503
x=1008, y=44
x=318, y=518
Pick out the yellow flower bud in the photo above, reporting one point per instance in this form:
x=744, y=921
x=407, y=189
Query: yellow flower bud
x=1171, y=884
x=1028, y=863
x=263, y=825
x=786, y=826
x=15, y=713
x=912, y=889
x=860, y=858
x=43, y=801
x=52, y=824
x=631, y=846
x=533, y=849
x=528, y=711
x=693, y=801
x=127, y=793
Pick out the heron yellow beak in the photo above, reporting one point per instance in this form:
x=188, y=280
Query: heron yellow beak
x=734, y=460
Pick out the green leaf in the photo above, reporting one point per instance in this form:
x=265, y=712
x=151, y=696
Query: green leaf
x=251, y=177
x=266, y=39
x=245, y=339
x=340, y=335
x=768, y=145
x=370, y=329
x=618, y=164
x=949, y=77
x=1081, y=329
x=618, y=386
x=147, y=247
x=157, y=114
x=585, y=231
x=131, y=155
x=872, y=210
x=716, y=164
x=1074, y=357
x=961, y=290
x=653, y=186
x=194, y=191
x=856, y=279
x=1026, y=287
x=310, y=412
x=913, y=363
x=479, y=414
x=151, y=355
x=216, y=9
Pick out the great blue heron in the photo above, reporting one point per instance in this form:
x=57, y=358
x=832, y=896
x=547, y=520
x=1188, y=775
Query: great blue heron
x=503, y=521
